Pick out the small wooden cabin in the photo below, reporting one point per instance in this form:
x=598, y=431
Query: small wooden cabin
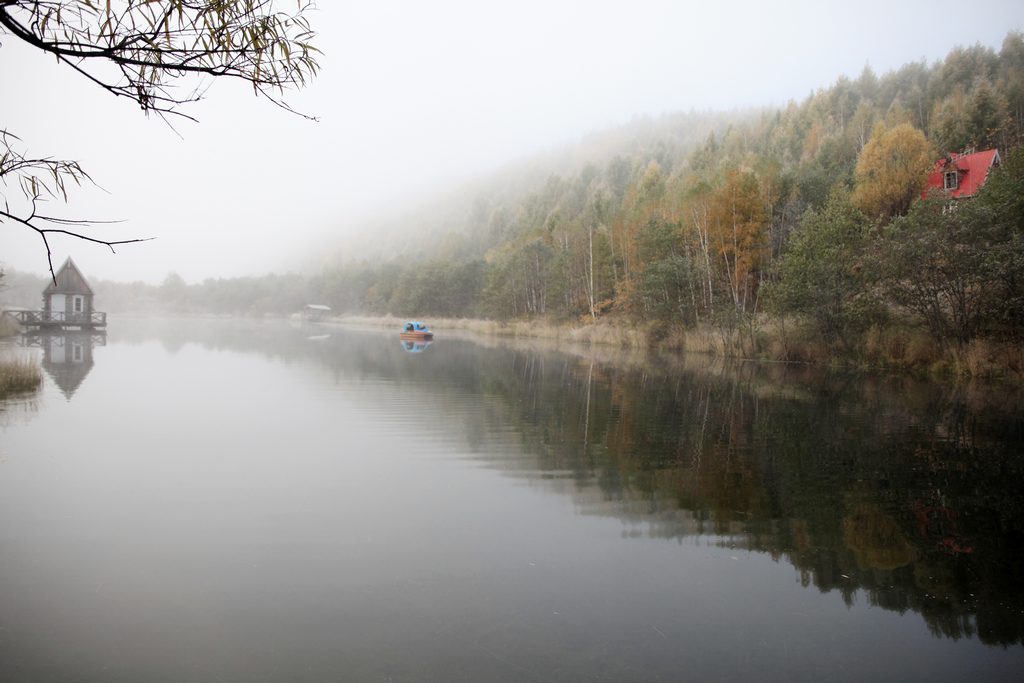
x=67, y=304
x=315, y=312
x=67, y=300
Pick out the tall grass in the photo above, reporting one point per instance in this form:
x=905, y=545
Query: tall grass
x=19, y=376
x=625, y=336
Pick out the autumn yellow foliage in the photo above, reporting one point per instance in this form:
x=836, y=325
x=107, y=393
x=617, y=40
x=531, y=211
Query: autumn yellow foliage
x=892, y=170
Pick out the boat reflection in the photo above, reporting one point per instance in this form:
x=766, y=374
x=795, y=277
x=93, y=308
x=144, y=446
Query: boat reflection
x=411, y=346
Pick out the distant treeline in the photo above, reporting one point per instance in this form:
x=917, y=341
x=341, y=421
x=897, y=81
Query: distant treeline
x=784, y=232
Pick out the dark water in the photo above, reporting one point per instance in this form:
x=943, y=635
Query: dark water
x=256, y=502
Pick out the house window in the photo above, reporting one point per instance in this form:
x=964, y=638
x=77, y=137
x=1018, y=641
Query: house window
x=77, y=353
x=78, y=303
x=951, y=180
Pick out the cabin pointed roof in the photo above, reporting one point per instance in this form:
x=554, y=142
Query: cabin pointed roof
x=69, y=280
x=971, y=168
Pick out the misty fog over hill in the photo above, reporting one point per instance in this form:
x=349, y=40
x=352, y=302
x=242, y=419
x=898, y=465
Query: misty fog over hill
x=458, y=212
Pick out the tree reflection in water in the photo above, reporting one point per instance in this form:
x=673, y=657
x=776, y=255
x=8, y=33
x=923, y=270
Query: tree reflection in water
x=900, y=490
x=904, y=490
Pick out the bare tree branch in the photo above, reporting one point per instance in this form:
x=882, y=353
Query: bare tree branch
x=142, y=50
x=154, y=42
x=43, y=232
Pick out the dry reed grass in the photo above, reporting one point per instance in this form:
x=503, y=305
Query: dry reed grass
x=923, y=351
x=885, y=346
x=987, y=359
x=604, y=333
x=19, y=376
x=898, y=347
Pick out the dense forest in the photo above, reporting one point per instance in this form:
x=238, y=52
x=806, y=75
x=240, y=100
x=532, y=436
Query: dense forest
x=796, y=233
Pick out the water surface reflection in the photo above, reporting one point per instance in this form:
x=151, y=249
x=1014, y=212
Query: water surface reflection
x=906, y=489
x=376, y=513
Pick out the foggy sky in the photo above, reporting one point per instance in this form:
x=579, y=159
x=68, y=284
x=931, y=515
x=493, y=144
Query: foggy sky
x=414, y=98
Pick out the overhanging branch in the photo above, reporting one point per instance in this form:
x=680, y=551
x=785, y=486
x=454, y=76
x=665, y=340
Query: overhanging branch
x=151, y=45
x=44, y=232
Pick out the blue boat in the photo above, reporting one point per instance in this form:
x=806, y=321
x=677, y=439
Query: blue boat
x=415, y=331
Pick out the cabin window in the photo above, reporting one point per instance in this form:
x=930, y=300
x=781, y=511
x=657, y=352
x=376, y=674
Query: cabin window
x=952, y=180
x=79, y=303
x=76, y=353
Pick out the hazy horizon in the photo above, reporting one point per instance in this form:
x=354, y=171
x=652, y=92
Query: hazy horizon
x=414, y=101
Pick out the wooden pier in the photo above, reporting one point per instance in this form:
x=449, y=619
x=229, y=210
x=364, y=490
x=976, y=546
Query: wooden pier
x=59, y=320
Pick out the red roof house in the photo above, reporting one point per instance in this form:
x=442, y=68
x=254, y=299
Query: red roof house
x=961, y=175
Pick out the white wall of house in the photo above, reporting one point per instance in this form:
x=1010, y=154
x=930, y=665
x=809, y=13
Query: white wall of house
x=58, y=304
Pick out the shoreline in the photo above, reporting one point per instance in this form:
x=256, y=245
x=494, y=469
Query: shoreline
x=902, y=350
x=908, y=351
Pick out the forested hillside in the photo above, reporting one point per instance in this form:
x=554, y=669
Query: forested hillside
x=777, y=231
x=810, y=211
x=716, y=217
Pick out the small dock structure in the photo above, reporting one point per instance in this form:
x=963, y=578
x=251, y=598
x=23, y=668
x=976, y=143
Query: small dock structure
x=315, y=312
x=67, y=304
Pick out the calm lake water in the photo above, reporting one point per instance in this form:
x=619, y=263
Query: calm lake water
x=230, y=501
